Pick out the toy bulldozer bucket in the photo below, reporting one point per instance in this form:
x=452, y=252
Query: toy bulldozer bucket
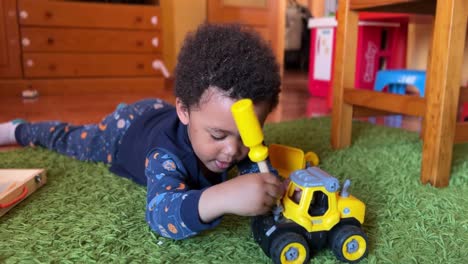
x=287, y=159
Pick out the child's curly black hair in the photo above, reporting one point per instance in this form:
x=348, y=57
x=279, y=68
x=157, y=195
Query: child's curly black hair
x=230, y=57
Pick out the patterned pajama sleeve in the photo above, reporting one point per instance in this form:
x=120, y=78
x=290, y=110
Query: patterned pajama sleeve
x=172, y=207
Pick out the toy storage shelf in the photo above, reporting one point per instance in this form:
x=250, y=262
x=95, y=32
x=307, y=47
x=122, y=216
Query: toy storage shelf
x=70, y=41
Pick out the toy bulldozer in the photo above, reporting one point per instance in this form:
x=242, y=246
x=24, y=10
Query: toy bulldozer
x=314, y=213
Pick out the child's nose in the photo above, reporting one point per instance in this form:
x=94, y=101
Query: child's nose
x=233, y=147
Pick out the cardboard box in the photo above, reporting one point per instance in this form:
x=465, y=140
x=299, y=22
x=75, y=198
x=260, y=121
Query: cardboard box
x=17, y=184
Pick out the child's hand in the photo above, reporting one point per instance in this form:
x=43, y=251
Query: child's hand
x=253, y=194
x=247, y=195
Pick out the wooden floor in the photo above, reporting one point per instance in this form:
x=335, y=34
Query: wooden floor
x=88, y=108
x=295, y=103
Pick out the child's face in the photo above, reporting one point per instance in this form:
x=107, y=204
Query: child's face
x=213, y=132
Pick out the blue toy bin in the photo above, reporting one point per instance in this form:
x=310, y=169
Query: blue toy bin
x=397, y=81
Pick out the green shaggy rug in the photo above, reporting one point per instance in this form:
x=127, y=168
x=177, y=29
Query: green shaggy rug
x=85, y=214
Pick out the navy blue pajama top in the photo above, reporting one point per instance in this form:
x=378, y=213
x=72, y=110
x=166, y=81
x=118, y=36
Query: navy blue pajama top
x=156, y=152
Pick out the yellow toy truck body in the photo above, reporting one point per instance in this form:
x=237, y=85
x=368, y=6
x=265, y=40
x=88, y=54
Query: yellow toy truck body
x=315, y=215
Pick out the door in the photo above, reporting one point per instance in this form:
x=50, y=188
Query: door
x=10, y=61
x=265, y=16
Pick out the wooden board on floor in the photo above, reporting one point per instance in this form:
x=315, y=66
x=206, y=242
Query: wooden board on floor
x=17, y=184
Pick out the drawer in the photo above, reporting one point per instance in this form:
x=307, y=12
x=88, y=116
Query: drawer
x=88, y=15
x=89, y=40
x=55, y=65
x=150, y=86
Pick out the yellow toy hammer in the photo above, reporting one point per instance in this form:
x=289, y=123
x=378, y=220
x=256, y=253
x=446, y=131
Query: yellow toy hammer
x=252, y=136
x=251, y=132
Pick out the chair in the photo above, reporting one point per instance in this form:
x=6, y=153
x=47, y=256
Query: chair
x=438, y=107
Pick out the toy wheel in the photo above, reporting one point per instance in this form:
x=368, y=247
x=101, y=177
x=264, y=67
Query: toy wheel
x=289, y=248
x=312, y=158
x=349, y=243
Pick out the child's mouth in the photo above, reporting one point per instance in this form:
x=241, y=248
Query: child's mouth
x=222, y=165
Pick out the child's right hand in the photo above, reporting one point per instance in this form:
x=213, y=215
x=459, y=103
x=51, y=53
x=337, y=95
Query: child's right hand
x=246, y=195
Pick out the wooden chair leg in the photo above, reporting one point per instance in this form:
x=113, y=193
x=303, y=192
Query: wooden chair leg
x=443, y=88
x=345, y=63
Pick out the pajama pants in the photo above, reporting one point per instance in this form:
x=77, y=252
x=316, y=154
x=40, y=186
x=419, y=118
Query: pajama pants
x=93, y=142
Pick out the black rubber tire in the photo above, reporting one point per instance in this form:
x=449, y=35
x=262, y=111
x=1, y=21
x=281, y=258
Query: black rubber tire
x=285, y=240
x=340, y=239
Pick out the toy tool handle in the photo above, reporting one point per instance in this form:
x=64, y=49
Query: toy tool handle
x=250, y=131
x=263, y=166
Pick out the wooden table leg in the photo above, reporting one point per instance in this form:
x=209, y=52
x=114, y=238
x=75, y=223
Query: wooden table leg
x=344, y=72
x=443, y=88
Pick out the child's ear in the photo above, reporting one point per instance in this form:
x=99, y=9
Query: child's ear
x=182, y=111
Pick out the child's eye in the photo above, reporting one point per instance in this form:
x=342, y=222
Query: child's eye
x=218, y=137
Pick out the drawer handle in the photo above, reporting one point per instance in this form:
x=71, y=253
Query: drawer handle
x=50, y=41
x=139, y=43
x=140, y=66
x=23, y=14
x=159, y=65
x=154, y=20
x=29, y=63
x=155, y=41
x=138, y=19
x=52, y=67
x=17, y=199
x=26, y=42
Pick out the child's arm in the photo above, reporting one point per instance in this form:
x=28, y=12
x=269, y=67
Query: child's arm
x=254, y=193
x=172, y=208
x=175, y=211
x=247, y=195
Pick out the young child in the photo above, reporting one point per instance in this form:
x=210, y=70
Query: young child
x=182, y=153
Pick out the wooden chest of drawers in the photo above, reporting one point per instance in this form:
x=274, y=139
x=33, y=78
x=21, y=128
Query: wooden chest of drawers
x=74, y=44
